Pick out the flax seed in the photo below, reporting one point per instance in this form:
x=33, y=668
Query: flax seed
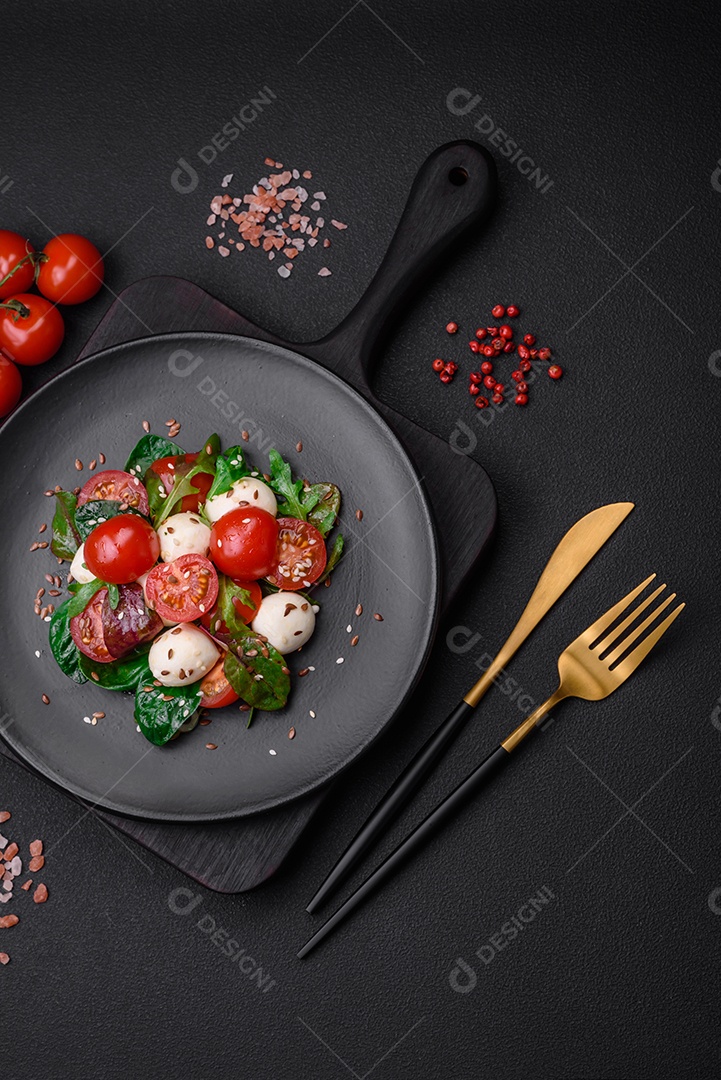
x=211, y=746
x=34, y=546
x=42, y=528
x=45, y=699
x=291, y=733
x=49, y=492
x=359, y=515
x=377, y=617
x=299, y=447
x=92, y=465
x=53, y=592
x=101, y=458
x=359, y=610
x=354, y=640
x=78, y=464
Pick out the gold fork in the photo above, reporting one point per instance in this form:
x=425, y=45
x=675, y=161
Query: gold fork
x=592, y=667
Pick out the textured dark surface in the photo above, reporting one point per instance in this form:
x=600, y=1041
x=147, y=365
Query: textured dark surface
x=616, y=976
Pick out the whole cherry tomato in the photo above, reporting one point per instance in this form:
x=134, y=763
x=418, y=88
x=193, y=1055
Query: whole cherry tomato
x=121, y=549
x=31, y=329
x=13, y=249
x=72, y=270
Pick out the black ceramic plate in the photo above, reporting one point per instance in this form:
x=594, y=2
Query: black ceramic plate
x=224, y=384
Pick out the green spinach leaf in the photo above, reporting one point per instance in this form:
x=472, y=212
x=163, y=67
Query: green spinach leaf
x=183, y=485
x=148, y=450
x=261, y=681
x=323, y=511
x=62, y=646
x=95, y=511
x=230, y=466
x=66, y=535
x=123, y=675
x=160, y=711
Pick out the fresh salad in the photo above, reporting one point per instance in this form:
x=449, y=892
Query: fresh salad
x=189, y=577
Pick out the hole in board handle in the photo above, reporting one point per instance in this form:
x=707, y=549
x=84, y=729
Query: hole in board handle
x=457, y=176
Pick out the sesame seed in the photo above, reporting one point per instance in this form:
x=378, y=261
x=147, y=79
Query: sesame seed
x=348, y=629
x=311, y=714
x=339, y=660
x=272, y=752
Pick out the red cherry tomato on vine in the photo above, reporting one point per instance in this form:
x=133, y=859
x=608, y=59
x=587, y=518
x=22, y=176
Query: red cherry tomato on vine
x=31, y=332
x=243, y=543
x=73, y=270
x=11, y=386
x=13, y=249
x=121, y=549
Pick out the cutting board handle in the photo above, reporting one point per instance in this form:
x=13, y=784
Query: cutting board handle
x=455, y=188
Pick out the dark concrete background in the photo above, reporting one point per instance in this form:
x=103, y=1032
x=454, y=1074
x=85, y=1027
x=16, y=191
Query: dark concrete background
x=617, y=264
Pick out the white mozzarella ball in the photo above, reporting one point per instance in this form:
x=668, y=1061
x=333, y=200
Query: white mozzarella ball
x=78, y=568
x=182, y=655
x=286, y=620
x=245, y=492
x=183, y=534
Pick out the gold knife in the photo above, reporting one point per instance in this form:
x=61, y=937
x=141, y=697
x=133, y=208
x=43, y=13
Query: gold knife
x=575, y=551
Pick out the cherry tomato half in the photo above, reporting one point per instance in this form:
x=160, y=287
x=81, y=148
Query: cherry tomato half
x=122, y=548
x=11, y=386
x=301, y=555
x=32, y=338
x=215, y=689
x=86, y=629
x=245, y=612
x=117, y=486
x=243, y=543
x=182, y=590
x=13, y=249
x=170, y=468
x=73, y=270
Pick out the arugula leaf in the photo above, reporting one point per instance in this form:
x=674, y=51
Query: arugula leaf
x=204, y=463
x=123, y=675
x=95, y=511
x=113, y=596
x=62, y=646
x=269, y=692
x=333, y=558
x=227, y=611
x=66, y=535
x=160, y=711
x=82, y=597
x=148, y=450
x=230, y=466
x=323, y=512
x=290, y=491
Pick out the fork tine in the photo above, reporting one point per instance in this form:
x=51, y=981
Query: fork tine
x=603, y=623
x=608, y=640
x=629, y=639
x=629, y=665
